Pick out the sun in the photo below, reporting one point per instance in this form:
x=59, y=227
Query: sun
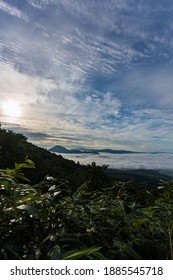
x=12, y=108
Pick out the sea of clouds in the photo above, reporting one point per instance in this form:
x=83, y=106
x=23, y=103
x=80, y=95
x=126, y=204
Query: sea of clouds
x=162, y=161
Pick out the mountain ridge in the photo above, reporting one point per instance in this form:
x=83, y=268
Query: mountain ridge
x=61, y=149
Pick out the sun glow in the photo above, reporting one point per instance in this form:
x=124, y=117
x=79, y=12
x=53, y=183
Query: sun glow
x=12, y=109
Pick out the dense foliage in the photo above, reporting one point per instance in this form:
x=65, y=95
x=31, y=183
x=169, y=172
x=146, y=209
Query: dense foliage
x=15, y=148
x=88, y=216
x=85, y=224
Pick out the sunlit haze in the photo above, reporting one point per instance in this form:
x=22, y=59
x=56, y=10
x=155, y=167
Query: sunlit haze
x=11, y=108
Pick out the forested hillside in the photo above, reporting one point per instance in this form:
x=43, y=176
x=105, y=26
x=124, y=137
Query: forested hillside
x=14, y=148
x=58, y=213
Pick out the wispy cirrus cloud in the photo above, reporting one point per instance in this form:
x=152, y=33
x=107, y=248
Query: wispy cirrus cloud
x=28, y=89
x=13, y=11
x=39, y=4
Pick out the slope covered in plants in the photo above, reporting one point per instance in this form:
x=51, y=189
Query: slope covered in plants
x=65, y=224
x=58, y=213
x=14, y=148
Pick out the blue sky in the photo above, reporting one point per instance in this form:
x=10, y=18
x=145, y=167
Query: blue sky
x=94, y=73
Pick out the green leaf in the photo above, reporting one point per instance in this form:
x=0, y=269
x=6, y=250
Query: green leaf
x=56, y=253
x=30, y=209
x=68, y=240
x=99, y=256
x=27, y=164
x=133, y=255
x=20, y=175
x=81, y=253
x=12, y=248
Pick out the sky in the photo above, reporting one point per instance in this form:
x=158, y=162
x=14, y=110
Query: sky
x=94, y=73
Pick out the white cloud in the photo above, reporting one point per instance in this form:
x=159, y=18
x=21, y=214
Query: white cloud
x=40, y=4
x=85, y=113
x=22, y=87
x=13, y=11
x=88, y=50
x=162, y=162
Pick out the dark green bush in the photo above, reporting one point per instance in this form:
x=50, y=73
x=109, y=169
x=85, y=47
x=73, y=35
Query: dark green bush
x=50, y=220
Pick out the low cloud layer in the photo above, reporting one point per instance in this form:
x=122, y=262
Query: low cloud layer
x=161, y=162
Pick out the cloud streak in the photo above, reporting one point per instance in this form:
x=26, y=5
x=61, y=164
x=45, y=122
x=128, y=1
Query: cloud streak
x=13, y=11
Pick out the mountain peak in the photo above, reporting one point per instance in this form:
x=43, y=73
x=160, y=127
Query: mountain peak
x=59, y=149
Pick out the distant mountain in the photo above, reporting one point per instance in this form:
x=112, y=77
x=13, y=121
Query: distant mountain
x=110, y=151
x=59, y=149
x=62, y=150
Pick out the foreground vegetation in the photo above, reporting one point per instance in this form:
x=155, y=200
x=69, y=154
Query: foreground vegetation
x=85, y=224
x=88, y=216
